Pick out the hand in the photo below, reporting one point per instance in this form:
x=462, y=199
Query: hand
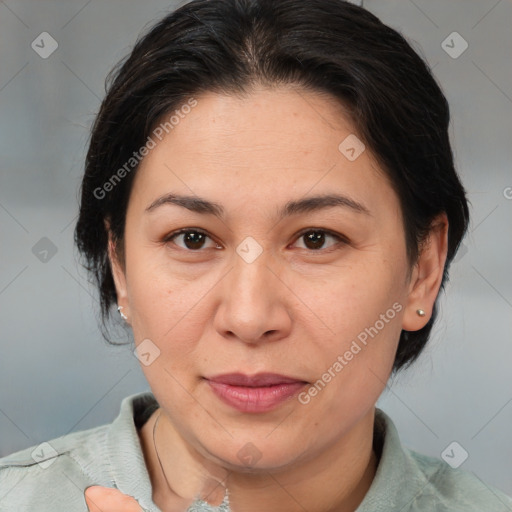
x=106, y=499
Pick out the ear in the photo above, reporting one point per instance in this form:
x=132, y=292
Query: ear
x=427, y=275
x=118, y=273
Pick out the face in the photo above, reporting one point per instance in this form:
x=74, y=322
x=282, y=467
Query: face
x=257, y=277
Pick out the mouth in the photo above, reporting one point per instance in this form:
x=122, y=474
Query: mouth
x=254, y=394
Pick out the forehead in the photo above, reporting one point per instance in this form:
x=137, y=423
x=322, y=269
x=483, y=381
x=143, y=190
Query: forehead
x=268, y=145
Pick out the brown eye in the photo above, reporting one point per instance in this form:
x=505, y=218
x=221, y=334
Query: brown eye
x=191, y=239
x=315, y=239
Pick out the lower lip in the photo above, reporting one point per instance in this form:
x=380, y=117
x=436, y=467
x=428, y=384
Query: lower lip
x=255, y=400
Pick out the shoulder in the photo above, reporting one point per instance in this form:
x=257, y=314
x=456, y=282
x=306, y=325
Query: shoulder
x=410, y=481
x=455, y=489
x=54, y=474
x=54, y=470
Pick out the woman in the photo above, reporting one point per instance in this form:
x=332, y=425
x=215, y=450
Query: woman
x=270, y=202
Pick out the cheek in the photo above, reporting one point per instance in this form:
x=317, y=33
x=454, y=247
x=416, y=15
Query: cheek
x=163, y=306
x=355, y=297
x=360, y=314
x=352, y=368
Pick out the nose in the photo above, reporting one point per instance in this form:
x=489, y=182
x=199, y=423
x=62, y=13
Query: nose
x=254, y=303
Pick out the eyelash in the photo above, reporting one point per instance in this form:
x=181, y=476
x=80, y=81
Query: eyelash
x=341, y=240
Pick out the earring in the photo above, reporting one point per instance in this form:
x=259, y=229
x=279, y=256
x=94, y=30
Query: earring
x=120, y=308
x=420, y=312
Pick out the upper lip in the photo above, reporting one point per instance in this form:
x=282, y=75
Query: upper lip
x=258, y=380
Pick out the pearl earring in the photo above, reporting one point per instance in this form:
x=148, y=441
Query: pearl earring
x=120, y=308
x=420, y=312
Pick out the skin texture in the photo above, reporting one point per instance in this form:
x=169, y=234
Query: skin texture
x=292, y=311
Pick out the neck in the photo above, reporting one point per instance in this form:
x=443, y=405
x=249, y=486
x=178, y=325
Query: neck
x=336, y=480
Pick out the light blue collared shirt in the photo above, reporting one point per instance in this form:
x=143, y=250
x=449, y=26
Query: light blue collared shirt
x=55, y=477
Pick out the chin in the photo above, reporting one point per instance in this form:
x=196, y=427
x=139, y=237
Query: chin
x=255, y=457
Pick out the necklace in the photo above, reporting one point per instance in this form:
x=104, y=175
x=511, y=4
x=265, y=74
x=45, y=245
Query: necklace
x=199, y=505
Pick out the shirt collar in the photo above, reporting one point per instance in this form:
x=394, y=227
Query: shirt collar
x=124, y=450
x=397, y=481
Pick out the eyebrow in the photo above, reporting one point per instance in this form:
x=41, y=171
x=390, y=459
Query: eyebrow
x=305, y=205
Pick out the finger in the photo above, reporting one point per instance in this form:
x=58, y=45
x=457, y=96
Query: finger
x=107, y=499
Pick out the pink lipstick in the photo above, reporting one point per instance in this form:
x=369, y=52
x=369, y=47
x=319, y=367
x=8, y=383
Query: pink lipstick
x=254, y=394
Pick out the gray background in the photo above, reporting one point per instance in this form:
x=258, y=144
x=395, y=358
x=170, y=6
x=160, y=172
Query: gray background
x=56, y=373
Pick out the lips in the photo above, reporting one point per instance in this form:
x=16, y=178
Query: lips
x=256, y=381
x=254, y=394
